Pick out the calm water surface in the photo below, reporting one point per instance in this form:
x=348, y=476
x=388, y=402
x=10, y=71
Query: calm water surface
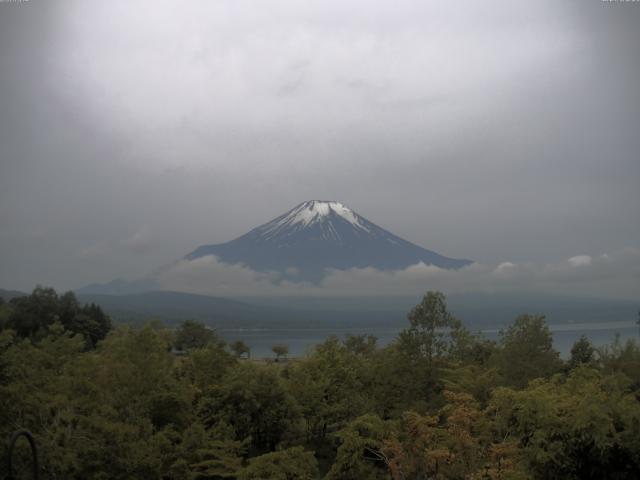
x=301, y=341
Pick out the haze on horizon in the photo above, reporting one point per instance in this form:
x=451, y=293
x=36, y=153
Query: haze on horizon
x=132, y=132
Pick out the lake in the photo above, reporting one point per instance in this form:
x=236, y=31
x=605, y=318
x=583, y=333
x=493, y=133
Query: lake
x=301, y=341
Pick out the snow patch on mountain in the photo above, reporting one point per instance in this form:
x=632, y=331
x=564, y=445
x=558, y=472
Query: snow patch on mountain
x=310, y=213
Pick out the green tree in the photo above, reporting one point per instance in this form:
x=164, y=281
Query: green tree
x=360, y=454
x=423, y=349
x=527, y=351
x=34, y=313
x=192, y=334
x=290, y=464
x=251, y=399
x=431, y=328
x=281, y=350
x=328, y=386
x=476, y=380
x=206, y=368
x=5, y=315
x=451, y=444
x=387, y=382
x=361, y=344
x=240, y=348
x=583, y=426
x=35, y=388
x=622, y=358
x=59, y=392
x=31, y=316
x=206, y=454
x=582, y=353
x=136, y=375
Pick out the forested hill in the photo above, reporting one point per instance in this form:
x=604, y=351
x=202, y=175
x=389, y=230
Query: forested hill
x=160, y=403
x=173, y=307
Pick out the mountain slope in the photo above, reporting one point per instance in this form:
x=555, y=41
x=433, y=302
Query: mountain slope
x=318, y=235
x=176, y=306
x=7, y=295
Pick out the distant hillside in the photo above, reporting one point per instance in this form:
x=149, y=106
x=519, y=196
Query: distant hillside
x=7, y=295
x=475, y=310
x=172, y=307
x=503, y=308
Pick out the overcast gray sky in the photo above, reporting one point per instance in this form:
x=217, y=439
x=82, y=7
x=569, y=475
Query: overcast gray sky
x=133, y=131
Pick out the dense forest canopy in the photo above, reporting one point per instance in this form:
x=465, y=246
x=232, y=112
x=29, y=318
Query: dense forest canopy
x=438, y=403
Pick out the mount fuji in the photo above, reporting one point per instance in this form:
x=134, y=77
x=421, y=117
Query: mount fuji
x=302, y=245
x=319, y=235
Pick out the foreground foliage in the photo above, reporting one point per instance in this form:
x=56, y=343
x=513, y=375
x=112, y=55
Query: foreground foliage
x=439, y=403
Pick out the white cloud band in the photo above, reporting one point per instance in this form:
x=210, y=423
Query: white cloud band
x=615, y=275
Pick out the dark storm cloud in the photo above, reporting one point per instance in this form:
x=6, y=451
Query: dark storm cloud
x=131, y=132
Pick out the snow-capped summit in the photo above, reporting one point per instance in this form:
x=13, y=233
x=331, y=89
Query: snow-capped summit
x=319, y=235
x=316, y=211
x=309, y=214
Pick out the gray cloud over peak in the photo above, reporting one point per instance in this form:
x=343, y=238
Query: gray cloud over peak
x=487, y=130
x=141, y=241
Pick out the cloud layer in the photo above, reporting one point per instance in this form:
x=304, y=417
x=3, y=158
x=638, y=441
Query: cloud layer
x=613, y=275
